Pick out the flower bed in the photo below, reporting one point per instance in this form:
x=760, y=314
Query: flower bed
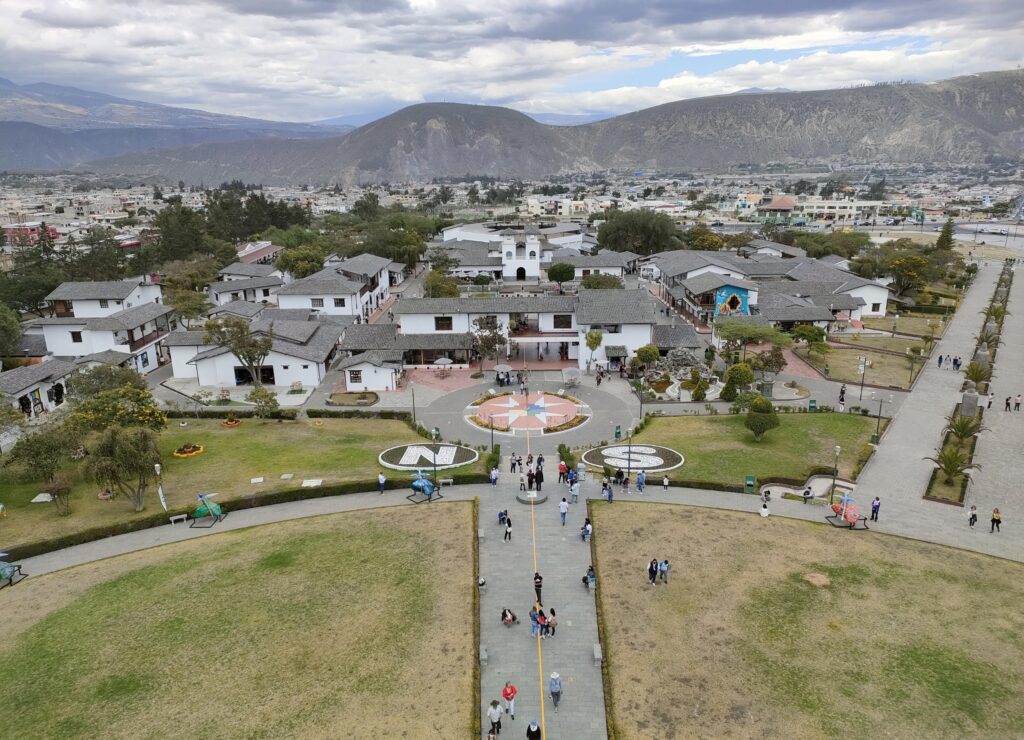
x=188, y=450
x=573, y=422
x=488, y=397
x=486, y=425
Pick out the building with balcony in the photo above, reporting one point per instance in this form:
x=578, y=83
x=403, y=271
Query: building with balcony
x=85, y=300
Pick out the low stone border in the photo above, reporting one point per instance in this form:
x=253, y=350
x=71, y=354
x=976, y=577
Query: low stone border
x=645, y=457
x=416, y=456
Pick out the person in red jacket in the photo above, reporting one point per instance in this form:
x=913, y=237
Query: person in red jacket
x=509, y=695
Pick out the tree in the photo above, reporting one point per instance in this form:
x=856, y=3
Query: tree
x=761, y=417
x=737, y=378
x=951, y=462
x=598, y=281
x=300, y=262
x=127, y=406
x=264, y=401
x=907, y=273
x=739, y=334
x=10, y=331
x=189, y=305
x=124, y=460
x=964, y=427
x=189, y=274
x=41, y=454
x=808, y=333
x=770, y=362
x=978, y=373
x=250, y=349
x=89, y=383
x=643, y=232
x=945, y=240
x=876, y=191
x=182, y=232
x=438, y=285
x=488, y=338
x=648, y=355
x=473, y=194
x=702, y=238
x=561, y=272
x=593, y=340
x=441, y=261
x=367, y=208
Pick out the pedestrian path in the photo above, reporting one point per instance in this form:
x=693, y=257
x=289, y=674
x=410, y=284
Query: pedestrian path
x=898, y=473
x=540, y=544
x=997, y=483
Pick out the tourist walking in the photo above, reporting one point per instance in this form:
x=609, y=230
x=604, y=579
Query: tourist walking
x=625, y=485
x=1016, y=403
x=522, y=482
x=555, y=687
x=574, y=491
x=664, y=483
x=552, y=623
x=534, y=624
x=509, y=695
x=494, y=477
x=652, y=571
x=494, y=715
x=542, y=622
x=533, y=731
x=997, y=519
x=940, y=362
x=381, y=480
x=561, y=471
x=663, y=569
x=972, y=517
x=991, y=397
x=875, y=506
x=563, y=509
x=538, y=584
x=641, y=481
x=1007, y=407
x=508, y=527
x=512, y=463
x=540, y=462
x=538, y=477
x=611, y=494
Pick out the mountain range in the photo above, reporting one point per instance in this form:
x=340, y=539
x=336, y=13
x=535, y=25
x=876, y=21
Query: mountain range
x=962, y=121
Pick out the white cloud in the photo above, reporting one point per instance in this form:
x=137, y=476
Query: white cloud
x=307, y=59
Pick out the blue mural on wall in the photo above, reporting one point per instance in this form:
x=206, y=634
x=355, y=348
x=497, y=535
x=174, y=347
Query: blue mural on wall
x=730, y=301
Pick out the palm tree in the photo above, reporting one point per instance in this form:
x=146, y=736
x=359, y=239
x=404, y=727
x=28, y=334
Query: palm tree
x=964, y=427
x=990, y=339
x=996, y=312
x=977, y=373
x=953, y=461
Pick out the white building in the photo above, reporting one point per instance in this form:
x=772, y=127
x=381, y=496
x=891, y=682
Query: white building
x=36, y=389
x=377, y=370
x=102, y=298
x=626, y=318
x=254, y=290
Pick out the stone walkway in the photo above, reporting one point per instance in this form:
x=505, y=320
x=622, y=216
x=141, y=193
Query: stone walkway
x=997, y=483
x=898, y=473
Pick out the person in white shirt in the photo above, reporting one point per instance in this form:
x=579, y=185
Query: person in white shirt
x=764, y=510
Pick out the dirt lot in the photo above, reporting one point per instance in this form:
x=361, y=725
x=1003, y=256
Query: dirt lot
x=776, y=628
x=350, y=625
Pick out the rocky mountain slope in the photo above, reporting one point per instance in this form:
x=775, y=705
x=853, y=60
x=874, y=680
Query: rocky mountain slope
x=959, y=121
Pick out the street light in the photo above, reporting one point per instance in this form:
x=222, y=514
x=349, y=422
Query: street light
x=878, y=426
x=434, y=434
x=862, y=366
x=490, y=423
x=835, y=472
x=629, y=452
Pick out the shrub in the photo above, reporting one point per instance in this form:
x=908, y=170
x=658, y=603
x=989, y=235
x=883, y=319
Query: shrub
x=493, y=459
x=566, y=455
x=288, y=414
x=762, y=417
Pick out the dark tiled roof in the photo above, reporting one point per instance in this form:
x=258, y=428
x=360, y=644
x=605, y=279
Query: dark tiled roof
x=293, y=331
x=106, y=357
x=615, y=307
x=378, y=358
x=22, y=378
x=325, y=282
x=613, y=351
x=246, y=309
x=434, y=341
x=232, y=286
x=248, y=270
x=364, y=264
x=669, y=337
x=129, y=318
x=185, y=339
x=31, y=345
x=361, y=337
x=93, y=290
x=712, y=281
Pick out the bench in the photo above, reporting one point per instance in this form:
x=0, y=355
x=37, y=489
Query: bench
x=178, y=519
x=481, y=535
x=598, y=655
x=11, y=570
x=445, y=482
x=483, y=655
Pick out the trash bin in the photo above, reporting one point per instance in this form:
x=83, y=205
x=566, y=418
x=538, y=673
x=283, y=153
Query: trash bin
x=581, y=471
x=750, y=484
x=812, y=405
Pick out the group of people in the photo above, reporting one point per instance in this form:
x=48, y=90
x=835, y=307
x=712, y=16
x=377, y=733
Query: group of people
x=950, y=363
x=1013, y=401
x=657, y=571
x=995, y=522
x=504, y=379
x=509, y=693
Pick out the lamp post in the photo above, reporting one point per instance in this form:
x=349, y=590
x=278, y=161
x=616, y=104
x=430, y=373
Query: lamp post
x=490, y=423
x=433, y=436
x=629, y=452
x=878, y=426
x=412, y=388
x=835, y=472
x=913, y=359
x=862, y=366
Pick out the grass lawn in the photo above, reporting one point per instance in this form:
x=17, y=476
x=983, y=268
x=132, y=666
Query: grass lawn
x=891, y=344
x=913, y=325
x=719, y=449
x=885, y=369
x=789, y=629
x=337, y=450
x=337, y=626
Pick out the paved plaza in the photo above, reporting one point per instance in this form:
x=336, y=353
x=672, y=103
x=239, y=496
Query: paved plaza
x=898, y=474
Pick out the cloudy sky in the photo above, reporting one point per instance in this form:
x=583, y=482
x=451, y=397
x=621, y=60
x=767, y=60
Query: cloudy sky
x=312, y=59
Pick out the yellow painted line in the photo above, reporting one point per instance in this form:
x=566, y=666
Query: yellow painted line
x=540, y=651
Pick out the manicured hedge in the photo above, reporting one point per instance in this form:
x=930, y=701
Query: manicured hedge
x=356, y=414
x=223, y=413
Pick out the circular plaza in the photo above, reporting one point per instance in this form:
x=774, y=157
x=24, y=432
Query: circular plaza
x=540, y=412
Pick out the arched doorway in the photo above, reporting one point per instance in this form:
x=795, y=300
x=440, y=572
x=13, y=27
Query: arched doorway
x=521, y=273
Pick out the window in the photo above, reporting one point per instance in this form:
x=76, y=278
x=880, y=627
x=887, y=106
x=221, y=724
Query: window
x=339, y=303
x=118, y=303
x=145, y=359
x=876, y=307
x=316, y=302
x=234, y=296
x=284, y=367
x=305, y=367
x=355, y=376
x=104, y=303
x=533, y=255
x=508, y=255
x=442, y=323
x=266, y=292
x=563, y=321
x=76, y=337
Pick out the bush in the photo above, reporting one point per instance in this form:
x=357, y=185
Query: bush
x=566, y=456
x=728, y=393
x=493, y=459
x=288, y=414
x=761, y=418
